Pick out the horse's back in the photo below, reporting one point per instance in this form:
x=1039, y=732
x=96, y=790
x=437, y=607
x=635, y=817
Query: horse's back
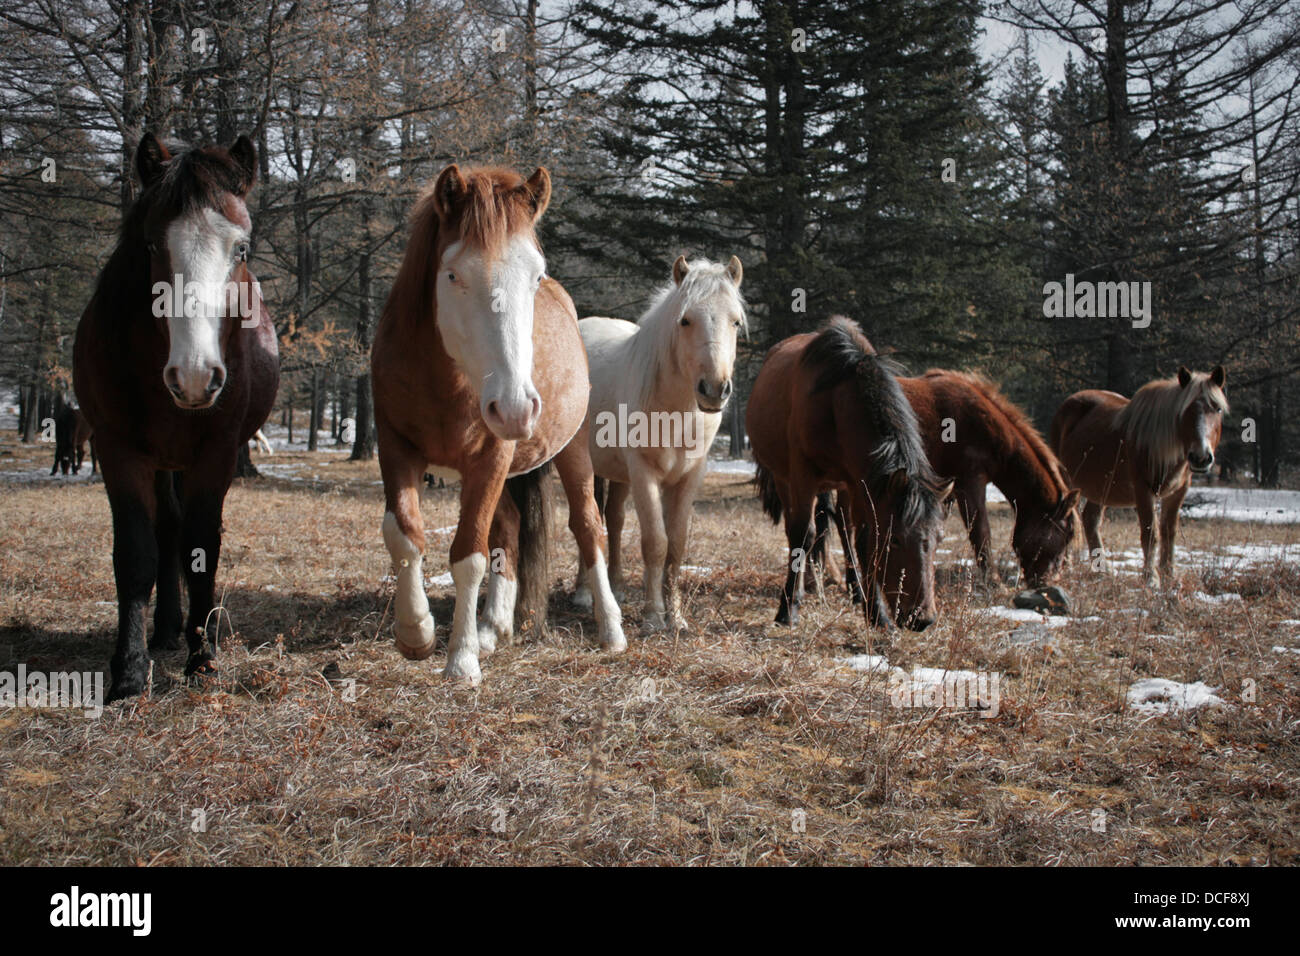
x=1087, y=439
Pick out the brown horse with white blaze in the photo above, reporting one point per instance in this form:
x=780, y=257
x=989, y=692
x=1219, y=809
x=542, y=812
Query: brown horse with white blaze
x=479, y=374
x=171, y=394
x=826, y=413
x=1134, y=452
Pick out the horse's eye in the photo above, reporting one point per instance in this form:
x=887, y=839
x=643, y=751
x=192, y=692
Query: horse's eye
x=241, y=251
x=451, y=277
x=685, y=320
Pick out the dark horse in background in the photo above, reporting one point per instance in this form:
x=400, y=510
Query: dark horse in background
x=826, y=413
x=1134, y=452
x=976, y=435
x=71, y=434
x=172, y=393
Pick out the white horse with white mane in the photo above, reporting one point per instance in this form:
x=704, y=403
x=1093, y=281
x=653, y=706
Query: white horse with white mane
x=658, y=388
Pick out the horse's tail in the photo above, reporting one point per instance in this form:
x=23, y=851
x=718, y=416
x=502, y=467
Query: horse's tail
x=1062, y=421
x=534, y=498
x=768, y=494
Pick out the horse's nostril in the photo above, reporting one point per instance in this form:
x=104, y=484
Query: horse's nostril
x=493, y=412
x=726, y=390
x=217, y=380
x=702, y=388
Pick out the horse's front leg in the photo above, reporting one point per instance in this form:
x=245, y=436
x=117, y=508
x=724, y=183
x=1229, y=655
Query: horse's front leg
x=799, y=536
x=654, y=541
x=402, y=467
x=498, y=624
x=1146, y=511
x=203, y=495
x=677, y=519
x=480, y=489
x=167, y=617
x=1092, y=515
x=1169, y=509
x=574, y=467
x=129, y=483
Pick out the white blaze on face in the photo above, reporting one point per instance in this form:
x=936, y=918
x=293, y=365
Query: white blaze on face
x=485, y=317
x=202, y=248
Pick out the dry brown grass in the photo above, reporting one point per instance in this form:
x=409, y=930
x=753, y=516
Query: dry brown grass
x=695, y=748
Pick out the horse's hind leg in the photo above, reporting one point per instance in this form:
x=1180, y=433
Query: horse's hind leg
x=203, y=493
x=498, y=624
x=975, y=515
x=167, y=612
x=135, y=566
x=851, y=581
x=574, y=467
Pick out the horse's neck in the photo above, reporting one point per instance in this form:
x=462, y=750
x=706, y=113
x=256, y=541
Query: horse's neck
x=1021, y=476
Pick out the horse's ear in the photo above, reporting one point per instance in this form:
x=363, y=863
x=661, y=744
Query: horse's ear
x=150, y=158
x=538, y=188
x=1184, y=376
x=897, y=482
x=448, y=191
x=244, y=153
x=947, y=491
x=1218, y=376
x=680, y=268
x=1068, y=502
x=736, y=270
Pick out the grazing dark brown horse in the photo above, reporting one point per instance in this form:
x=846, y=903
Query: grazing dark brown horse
x=826, y=413
x=82, y=436
x=480, y=374
x=976, y=435
x=1132, y=453
x=172, y=392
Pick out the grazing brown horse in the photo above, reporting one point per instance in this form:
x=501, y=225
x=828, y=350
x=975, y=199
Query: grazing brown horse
x=976, y=435
x=172, y=392
x=826, y=413
x=82, y=436
x=479, y=374
x=1131, y=453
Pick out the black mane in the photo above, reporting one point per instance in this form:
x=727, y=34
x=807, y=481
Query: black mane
x=841, y=352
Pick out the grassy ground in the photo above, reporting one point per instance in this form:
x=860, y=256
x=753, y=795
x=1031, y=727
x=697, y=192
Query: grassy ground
x=735, y=742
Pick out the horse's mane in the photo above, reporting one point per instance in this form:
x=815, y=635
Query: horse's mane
x=1150, y=420
x=840, y=352
x=192, y=179
x=652, y=345
x=1019, y=421
x=492, y=212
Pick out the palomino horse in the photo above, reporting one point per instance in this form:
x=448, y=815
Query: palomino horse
x=975, y=435
x=658, y=388
x=171, y=392
x=826, y=413
x=1127, y=453
x=479, y=374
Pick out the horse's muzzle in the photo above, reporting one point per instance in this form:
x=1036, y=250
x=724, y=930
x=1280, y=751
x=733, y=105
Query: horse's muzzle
x=1200, y=463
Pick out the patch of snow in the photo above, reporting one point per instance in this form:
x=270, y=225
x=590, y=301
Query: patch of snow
x=1155, y=695
x=1216, y=598
x=731, y=466
x=1279, y=649
x=865, y=662
x=1263, y=505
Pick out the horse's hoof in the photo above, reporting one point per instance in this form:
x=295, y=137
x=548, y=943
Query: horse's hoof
x=124, y=687
x=654, y=621
x=787, y=618
x=680, y=623
x=200, y=668
x=463, y=668
x=488, y=638
x=415, y=641
x=582, y=599
x=612, y=640
x=166, y=640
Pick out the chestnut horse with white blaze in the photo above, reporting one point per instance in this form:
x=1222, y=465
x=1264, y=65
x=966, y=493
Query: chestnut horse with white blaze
x=827, y=414
x=658, y=388
x=1134, y=452
x=170, y=396
x=479, y=374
